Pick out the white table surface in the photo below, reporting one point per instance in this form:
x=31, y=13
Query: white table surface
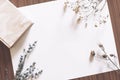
x=62, y=51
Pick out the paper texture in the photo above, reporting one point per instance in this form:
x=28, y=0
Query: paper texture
x=12, y=23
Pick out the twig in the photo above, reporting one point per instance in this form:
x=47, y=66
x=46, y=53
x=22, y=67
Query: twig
x=29, y=72
x=103, y=49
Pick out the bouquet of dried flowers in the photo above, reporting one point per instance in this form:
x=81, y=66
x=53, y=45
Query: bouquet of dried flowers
x=85, y=8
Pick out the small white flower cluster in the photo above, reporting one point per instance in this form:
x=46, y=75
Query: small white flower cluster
x=87, y=8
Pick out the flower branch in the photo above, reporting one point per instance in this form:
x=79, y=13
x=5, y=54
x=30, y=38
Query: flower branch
x=85, y=8
x=106, y=55
x=29, y=73
x=103, y=56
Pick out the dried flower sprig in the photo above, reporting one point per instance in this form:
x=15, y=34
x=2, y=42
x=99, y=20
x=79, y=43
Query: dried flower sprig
x=103, y=56
x=107, y=56
x=85, y=8
x=29, y=73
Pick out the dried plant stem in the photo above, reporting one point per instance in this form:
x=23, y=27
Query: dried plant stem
x=30, y=73
x=103, y=49
x=111, y=60
x=103, y=5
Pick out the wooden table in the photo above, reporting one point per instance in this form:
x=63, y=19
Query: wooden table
x=20, y=3
x=6, y=70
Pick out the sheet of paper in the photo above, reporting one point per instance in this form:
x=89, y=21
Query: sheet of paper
x=63, y=50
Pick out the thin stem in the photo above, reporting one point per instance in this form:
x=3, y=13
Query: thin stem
x=103, y=5
x=111, y=60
